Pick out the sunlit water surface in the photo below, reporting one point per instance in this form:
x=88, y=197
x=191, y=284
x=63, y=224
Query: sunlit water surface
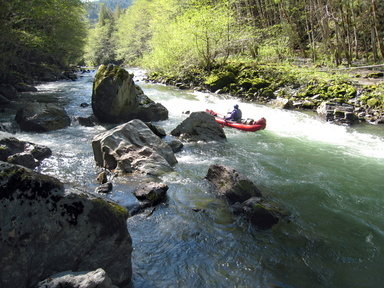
x=330, y=178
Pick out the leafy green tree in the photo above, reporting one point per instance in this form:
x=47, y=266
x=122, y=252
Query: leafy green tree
x=133, y=32
x=198, y=34
x=36, y=33
x=101, y=44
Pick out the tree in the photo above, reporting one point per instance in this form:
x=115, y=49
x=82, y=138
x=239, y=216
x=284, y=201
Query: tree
x=101, y=44
x=36, y=33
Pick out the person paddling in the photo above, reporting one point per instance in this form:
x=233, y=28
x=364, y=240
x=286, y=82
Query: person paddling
x=236, y=114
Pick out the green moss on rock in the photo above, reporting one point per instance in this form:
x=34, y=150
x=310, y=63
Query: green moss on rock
x=111, y=216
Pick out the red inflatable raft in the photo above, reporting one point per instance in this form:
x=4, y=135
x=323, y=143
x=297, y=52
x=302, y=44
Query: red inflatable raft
x=245, y=125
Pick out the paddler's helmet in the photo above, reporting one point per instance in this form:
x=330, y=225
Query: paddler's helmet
x=236, y=106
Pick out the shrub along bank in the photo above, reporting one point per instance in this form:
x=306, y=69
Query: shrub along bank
x=301, y=88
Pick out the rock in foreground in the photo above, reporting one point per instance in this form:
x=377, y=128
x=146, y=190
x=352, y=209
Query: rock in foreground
x=46, y=229
x=133, y=147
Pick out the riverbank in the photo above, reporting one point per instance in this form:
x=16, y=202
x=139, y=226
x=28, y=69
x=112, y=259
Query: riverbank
x=357, y=93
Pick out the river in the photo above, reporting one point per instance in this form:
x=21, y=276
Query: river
x=329, y=177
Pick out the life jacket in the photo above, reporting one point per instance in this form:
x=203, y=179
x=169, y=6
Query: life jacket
x=239, y=115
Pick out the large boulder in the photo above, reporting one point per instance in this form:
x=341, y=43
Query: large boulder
x=42, y=117
x=199, y=126
x=133, y=147
x=23, y=153
x=149, y=110
x=117, y=99
x=46, y=229
x=232, y=185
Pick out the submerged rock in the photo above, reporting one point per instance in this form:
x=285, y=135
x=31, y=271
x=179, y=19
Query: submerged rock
x=199, y=126
x=45, y=229
x=244, y=197
x=234, y=186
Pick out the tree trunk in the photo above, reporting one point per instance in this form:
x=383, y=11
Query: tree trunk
x=377, y=30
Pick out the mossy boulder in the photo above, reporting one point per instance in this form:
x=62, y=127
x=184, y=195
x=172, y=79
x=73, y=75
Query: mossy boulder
x=261, y=213
x=117, y=99
x=256, y=83
x=47, y=228
x=219, y=80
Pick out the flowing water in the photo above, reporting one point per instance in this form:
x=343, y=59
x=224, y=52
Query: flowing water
x=330, y=178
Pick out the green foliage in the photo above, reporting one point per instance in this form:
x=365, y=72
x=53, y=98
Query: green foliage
x=328, y=90
x=133, y=32
x=101, y=43
x=219, y=80
x=373, y=95
x=93, y=7
x=36, y=32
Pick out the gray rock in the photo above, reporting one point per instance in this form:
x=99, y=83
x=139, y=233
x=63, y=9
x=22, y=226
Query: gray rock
x=4, y=100
x=232, y=185
x=24, y=159
x=22, y=87
x=199, y=126
x=158, y=130
x=45, y=229
x=282, y=103
x=104, y=188
x=244, y=197
x=133, y=147
x=153, y=192
x=174, y=143
x=23, y=153
x=89, y=121
x=85, y=279
x=117, y=99
x=338, y=113
x=41, y=117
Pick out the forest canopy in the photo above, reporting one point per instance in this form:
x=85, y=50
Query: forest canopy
x=174, y=34
x=39, y=33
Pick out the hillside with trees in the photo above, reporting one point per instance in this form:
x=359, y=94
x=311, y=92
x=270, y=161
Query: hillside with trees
x=39, y=35
x=177, y=33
